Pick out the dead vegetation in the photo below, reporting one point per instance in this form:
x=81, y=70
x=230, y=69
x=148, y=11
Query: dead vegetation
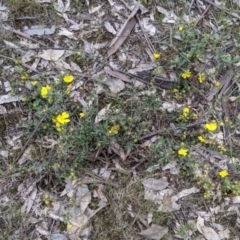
x=119, y=119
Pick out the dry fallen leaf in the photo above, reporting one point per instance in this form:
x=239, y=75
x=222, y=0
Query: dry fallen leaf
x=124, y=32
x=170, y=17
x=101, y=114
x=95, y=9
x=57, y=236
x=155, y=184
x=64, y=32
x=119, y=75
x=207, y=232
x=61, y=7
x=155, y=232
x=116, y=148
x=27, y=155
x=29, y=201
x=170, y=107
x=110, y=28
x=51, y=55
x=115, y=85
x=39, y=30
x=8, y=98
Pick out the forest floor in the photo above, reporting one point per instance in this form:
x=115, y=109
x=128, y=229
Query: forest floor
x=119, y=119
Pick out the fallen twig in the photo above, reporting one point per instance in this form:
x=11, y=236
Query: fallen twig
x=215, y=5
x=161, y=131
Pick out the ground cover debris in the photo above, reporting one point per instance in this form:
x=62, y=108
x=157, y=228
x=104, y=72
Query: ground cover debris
x=119, y=119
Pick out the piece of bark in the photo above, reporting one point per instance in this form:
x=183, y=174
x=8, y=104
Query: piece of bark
x=124, y=32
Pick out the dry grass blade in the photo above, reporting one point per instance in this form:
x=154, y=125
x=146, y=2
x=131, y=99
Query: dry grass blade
x=124, y=32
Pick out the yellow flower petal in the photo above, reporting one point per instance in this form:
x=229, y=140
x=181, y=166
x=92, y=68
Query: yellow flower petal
x=82, y=115
x=156, y=55
x=223, y=173
x=68, y=78
x=183, y=152
x=186, y=74
x=180, y=28
x=212, y=126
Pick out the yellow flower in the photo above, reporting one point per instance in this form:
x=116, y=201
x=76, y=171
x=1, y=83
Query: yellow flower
x=201, y=139
x=186, y=74
x=156, y=55
x=114, y=129
x=183, y=152
x=223, y=173
x=82, y=115
x=186, y=111
x=34, y=83
x=201, y=77
x=24, y=78
x=175, y=90
x=45, y=91
x=63, y=118
x=68, y=78
x=69, y=226
x=180, y=28
x=217, y=84
x=212, y=126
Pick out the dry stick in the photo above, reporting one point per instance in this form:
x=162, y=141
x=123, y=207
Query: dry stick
x=30, y=138
x=102, y=179
x=203, y=15
x=24, y=35
x=146, y=38
x=199, y=9
x=170, y=129
x=139, y=22
x=189, y=10
x=232, y=14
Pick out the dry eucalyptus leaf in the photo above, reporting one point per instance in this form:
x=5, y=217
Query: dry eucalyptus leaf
x=148, y=27
x=95, y=9
x=4, y=153
x=39, y=30
x=3, y=110
x=170, y=107
x=51, y=55
x=124, y=32
x=64, y=32
x=110, y=28
x=101, y=114
x=57, y=236
x=61, y=7
x=236, y=200
x=170, y=17
x=207, y=232
x=29, y=201
x=27, y=155
x=118, y=75
x=118, y=150
x=8, y=98
x=42, y=231
x=155, y=184
x=115, y=85
x=83, y=197
x=155, y=232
